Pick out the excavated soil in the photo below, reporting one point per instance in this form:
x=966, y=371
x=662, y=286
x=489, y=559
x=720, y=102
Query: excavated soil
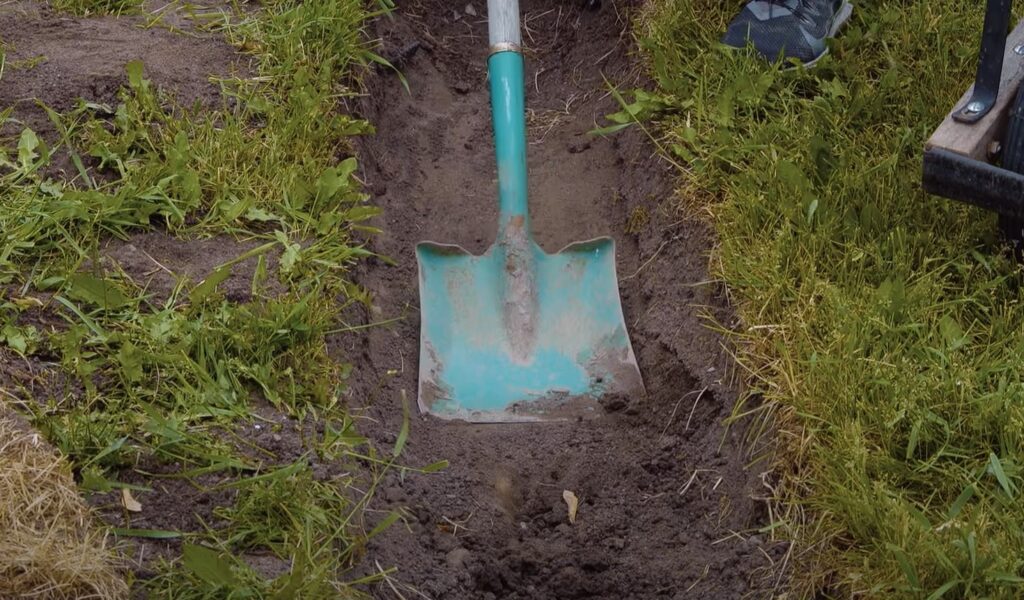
x=667, y=508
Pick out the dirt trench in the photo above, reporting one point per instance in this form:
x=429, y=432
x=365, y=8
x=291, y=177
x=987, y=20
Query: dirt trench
x=667, y=509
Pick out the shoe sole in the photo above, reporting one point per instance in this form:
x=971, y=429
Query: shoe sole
x=841, y=18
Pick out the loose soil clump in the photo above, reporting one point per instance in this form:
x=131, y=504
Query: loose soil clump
x=666, y=507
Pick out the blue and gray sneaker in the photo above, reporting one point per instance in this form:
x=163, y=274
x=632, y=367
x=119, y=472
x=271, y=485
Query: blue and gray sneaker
x=788, y=28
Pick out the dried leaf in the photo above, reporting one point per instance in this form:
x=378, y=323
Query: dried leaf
x=573, y=502
x=27, y=302
x=130, y=503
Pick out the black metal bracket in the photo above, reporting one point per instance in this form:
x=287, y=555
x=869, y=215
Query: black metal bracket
x=990, y=62
x=962, y=178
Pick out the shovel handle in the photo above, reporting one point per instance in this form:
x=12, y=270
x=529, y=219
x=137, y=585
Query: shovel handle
x=508, y=114
x=503, y=25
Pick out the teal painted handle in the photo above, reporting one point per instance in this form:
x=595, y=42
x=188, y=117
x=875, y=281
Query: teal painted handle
x=508, y=113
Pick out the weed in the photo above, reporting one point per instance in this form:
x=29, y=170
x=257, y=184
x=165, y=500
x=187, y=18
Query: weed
x=167, y=380
x=638, y=219
x=300, y=519
x=87, y=8
x=29, y=63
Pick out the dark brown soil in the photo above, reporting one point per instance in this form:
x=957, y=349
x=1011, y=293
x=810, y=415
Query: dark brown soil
x=666, y=506
x=60, y=59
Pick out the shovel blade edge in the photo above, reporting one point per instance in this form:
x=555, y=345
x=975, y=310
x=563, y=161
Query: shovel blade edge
x=473, y=367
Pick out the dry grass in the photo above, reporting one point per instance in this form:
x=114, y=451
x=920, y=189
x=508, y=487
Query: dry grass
x=48, y=548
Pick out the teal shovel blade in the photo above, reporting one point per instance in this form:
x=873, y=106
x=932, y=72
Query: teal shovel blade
x=492, y=350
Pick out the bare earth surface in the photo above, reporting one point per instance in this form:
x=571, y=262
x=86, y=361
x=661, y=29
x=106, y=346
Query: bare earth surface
x=661, y=490
x=667, y=507
x=59, y=59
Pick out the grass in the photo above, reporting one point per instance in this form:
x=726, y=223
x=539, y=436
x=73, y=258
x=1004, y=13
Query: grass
x=92, y=8
x=49, y=548
x=885, y=330
x=151, y=380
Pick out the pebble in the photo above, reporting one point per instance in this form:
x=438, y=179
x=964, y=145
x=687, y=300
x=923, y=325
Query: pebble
x=458, y=558
x=669, y=442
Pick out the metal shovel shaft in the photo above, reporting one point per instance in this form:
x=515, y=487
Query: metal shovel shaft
x=517, y=334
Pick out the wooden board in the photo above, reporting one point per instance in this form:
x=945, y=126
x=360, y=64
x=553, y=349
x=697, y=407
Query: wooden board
x=973, y=139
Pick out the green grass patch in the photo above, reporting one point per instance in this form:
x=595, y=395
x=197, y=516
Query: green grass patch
x=92, y=8
x=169, y=379
x=885, y=330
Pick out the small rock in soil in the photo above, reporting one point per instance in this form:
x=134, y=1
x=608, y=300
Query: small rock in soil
x=458, y=558
x=615, y=543
x=669, y=442
x=578, y=146
x=558, y=514
x=566, y=581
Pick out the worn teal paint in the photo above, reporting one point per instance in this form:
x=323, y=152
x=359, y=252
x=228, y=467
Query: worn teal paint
x=508, y=116
x=475, y=361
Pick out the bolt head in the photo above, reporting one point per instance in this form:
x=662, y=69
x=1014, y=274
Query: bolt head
x=974, y=107
x=1019, y=49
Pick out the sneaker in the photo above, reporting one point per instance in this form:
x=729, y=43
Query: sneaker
x=788, y=28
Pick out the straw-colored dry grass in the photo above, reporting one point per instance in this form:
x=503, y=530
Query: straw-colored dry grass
x=48, y=546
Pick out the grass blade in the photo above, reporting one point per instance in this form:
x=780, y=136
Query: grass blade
x=403, y=433
x=996, y=468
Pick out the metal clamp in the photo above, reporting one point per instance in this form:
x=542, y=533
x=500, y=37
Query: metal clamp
x=505, y=47
x=990, y=63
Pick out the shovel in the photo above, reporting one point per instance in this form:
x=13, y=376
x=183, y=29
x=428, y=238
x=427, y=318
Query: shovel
x=517, y=334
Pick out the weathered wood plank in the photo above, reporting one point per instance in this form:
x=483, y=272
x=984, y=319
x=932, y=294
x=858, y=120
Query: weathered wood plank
x=973, y=139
